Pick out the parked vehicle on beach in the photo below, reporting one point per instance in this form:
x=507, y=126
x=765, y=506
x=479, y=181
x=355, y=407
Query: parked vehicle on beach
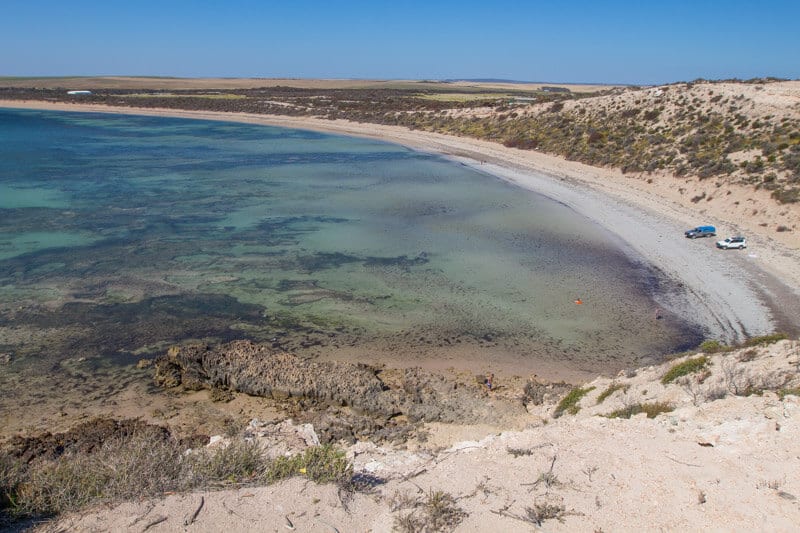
x=701, y=231
x=739, y=243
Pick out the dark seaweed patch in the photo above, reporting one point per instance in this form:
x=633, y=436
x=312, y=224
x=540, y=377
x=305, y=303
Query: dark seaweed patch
x=286, y=285
x=311, y=263
x=117, y=328
x=399, y=261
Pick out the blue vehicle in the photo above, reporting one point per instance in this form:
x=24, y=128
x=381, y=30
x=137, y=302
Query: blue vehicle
x=701, y=231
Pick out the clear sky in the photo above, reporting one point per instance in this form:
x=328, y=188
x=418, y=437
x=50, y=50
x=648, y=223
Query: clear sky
x=638, y=42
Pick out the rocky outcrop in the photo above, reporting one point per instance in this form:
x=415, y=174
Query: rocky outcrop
x=258, y=370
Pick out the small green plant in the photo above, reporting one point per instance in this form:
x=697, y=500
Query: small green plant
x=612, y=388
x=569, y=403
x=322, y=464
x=652, y=409
x=689, y=366
x=714, y=346
x=765, y=339
x=782, y=393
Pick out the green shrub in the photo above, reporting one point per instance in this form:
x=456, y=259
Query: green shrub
x=652, y=409
x=322, y=464
x=765, y=339
x=690, y=366
x=786, y=392
x=714, y=346
x=569, y=403
x=612, y=388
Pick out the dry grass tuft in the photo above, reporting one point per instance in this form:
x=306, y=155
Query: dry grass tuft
x=438, y=511
x=139, y=466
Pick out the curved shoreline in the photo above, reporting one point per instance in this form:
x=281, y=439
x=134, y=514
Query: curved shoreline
x=732, y=295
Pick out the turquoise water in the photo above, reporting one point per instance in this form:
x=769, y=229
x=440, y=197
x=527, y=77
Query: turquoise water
x=121, y=235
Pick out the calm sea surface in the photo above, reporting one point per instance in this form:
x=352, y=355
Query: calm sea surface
x=121, y=235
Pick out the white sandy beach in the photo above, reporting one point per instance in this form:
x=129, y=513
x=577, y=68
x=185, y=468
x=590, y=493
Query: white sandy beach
x=733, y=294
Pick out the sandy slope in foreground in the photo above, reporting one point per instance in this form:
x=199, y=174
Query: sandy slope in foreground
x=734, y=294
x=711, y=465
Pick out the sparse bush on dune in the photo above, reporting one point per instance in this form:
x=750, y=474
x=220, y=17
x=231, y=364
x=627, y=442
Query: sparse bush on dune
x=689, y=366
x=714, y=346
x=138, y=466
x=765, y=339
x=612, y=388
x=438, y=511
x=239, y=461
x=652, y=410
x=782, y=393
x=322, y=464
x=10, y=478
x=570, y=402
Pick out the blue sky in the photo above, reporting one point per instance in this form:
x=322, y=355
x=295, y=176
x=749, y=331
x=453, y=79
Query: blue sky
x=639, y=42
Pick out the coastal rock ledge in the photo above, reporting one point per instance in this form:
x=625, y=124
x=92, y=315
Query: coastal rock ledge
x=257, y=370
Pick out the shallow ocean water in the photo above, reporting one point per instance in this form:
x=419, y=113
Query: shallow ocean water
x=121, y=235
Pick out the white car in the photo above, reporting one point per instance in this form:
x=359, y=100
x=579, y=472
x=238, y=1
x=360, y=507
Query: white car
x=732, y=242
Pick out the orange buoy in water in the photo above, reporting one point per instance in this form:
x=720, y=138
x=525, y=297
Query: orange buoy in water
x=578, y=302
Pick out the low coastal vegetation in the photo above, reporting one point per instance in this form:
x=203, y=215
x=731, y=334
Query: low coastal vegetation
x=570, y=402
x=795, y=391
x=764, y=340
x=614, y=387
x=437, y=511
x=689, y=366
x=714, y=346
x=148, y=462
x=726, y=131
x=652, y=410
